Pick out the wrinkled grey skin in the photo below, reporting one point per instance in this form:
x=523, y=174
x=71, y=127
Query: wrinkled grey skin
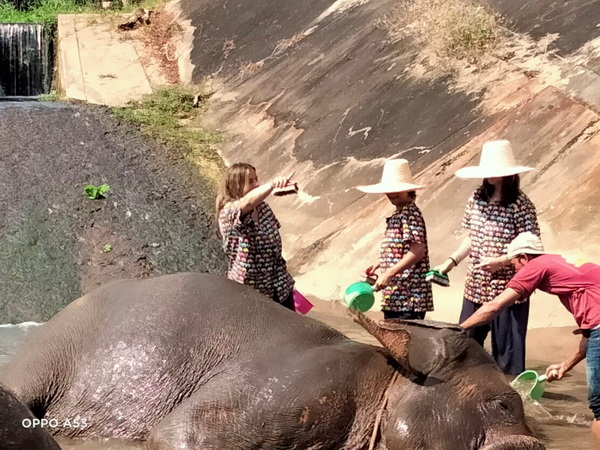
x=198, y=361
x=13, y=434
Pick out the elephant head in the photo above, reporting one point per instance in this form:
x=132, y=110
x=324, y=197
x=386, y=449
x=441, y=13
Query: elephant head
x=17, y=425
x=451, y=395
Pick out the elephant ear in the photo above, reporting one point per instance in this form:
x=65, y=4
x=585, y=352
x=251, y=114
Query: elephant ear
x=397, y=341
x=421, y=346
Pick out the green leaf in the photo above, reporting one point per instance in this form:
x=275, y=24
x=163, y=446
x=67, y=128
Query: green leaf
x=96, y=192
x=91, y=191
x=107, y=248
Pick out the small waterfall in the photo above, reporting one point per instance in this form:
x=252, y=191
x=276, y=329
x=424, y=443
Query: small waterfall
x=25, y=59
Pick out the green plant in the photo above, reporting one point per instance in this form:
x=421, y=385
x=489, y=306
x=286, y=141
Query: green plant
x=96, y=192
x=51, y=97
x=42, y=11
x=45, y=11
x=107, y=248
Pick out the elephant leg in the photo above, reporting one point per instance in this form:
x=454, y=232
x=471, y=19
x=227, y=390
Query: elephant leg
x=246, y=410
x=202, y=421
x=205, y=419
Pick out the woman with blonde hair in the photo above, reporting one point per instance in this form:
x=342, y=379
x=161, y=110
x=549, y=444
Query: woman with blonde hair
x=496, y=213
x=250, y=233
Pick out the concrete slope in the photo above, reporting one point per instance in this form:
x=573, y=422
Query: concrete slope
x=572, y=23
x=339, y=97
x=323, y=89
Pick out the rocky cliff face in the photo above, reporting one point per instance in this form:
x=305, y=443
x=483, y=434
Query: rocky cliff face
x=321, y=87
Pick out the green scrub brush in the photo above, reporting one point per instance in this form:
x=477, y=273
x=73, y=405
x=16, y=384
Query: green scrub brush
x=437, y=277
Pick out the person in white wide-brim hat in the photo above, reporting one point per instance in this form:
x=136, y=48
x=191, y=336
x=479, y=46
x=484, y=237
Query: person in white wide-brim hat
x=495, y=214
x=404, y=256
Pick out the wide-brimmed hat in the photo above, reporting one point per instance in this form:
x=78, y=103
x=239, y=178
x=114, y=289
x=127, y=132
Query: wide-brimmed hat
x=525, y=243
x=396, y=177
x=497, y=160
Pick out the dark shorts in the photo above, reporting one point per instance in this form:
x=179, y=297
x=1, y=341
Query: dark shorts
x=509, y=330
x=288, y=302
x=593, y=372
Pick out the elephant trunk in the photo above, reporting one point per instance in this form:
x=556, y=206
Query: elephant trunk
x=515, y=442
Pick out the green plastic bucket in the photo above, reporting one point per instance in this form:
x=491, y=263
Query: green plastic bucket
x=360, y=296
x=530, y=381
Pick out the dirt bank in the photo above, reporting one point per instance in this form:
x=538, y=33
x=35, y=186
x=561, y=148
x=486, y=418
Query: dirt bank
x=157, y=217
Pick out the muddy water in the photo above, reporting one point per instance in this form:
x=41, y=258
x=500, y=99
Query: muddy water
x=560, y=417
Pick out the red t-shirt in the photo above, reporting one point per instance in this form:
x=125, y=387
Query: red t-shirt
x=577, y=286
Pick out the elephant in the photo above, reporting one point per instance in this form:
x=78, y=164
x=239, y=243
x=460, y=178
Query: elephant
x=18, y=427
x=198, y=361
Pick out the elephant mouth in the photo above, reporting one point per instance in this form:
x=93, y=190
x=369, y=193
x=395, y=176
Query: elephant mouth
x=514, y=442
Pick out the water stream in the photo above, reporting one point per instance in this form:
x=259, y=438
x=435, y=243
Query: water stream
x=25, y=60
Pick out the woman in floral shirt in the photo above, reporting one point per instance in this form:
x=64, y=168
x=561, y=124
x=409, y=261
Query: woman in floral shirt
x=250, y=233
x=404, y=257
x=495, y=214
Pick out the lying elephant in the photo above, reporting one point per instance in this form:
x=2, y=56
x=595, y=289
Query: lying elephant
x=198, y=361
x=17, y=427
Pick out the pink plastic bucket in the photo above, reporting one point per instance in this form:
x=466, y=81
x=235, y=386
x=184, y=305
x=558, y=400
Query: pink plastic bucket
x=301, y=303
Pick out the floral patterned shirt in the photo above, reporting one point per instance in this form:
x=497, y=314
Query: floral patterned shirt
x=491, y=228
x=408, y=291
x=253, y=250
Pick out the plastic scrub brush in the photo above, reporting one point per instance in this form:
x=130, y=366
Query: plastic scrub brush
x=437, y=277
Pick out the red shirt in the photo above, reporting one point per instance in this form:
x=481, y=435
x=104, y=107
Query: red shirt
x=576, y=285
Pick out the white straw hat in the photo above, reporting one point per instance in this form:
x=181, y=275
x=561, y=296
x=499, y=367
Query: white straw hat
x=396, y=177
x=497, y=160
x=525, y=243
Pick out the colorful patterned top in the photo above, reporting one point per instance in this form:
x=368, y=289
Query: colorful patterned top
x=408, y=291
x=491, y=228
x=253, y=250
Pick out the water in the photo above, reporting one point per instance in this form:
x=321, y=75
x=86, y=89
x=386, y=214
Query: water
x=12, y=337
x=561, y=415
x=25, y=59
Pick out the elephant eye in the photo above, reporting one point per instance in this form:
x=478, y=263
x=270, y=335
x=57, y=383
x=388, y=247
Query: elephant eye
x=505, y=406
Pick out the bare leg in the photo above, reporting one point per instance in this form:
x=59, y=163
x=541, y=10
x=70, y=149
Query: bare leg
x=596, y=429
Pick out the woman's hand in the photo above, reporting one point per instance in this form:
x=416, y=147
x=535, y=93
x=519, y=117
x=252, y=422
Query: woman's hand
x=384, y=280
x=281, y=182
x=492, y=264
x=445, y=267
x=556, y=371
x=370, y=271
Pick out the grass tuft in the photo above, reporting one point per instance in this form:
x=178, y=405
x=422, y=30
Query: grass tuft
x=46, y=11
x=43, y=11
x=169, y=116
x=458, y=29
x=50, y=97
